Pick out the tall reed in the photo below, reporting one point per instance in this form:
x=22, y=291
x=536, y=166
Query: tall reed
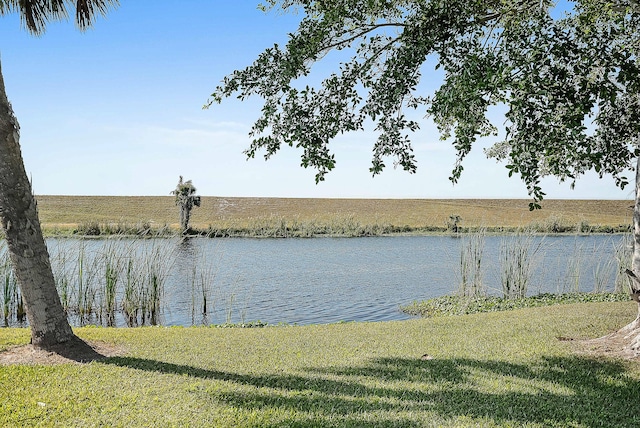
x=573, y=271
x=603, y=271
x=204, y=272
x=9, y=287
x=88, y=268
x=229, y=309
x=113, y=264
x=74, y=272
x=471, y=270
x=613, y=267
x=156, y=263
x=623, y=254
x=59, y=266
x=198, y=267
x=603, y=267
x=130, y=298
x=97, y=280
x=5, y=276
x=518, y=258
x=142, y=268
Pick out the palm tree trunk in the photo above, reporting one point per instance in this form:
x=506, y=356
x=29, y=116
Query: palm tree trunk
x=27, y=249
x=184, y=217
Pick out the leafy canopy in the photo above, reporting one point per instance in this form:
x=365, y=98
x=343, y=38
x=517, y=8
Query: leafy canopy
x=569, y=83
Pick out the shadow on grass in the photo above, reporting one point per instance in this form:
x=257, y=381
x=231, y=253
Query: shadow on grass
x=555, y=391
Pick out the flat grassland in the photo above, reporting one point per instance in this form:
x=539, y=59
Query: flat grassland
x=67, y=212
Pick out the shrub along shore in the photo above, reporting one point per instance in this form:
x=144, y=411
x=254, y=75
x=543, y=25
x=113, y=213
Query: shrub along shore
x=303, y=217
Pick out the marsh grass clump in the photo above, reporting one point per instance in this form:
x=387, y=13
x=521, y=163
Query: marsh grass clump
x=89, y=228
x=116, y=281
x=113, y=265
x=605, y=269
x=202, y=277
x=82, y=277
x=7, y=289
x=518, y=259
x=145, y=275
x=74, y=273
x=130, y=297
x=573, y=271
x=613, y=267
x=277, y=226
x=121, y=229
x=471, y=268
x=98, y=280
x=554, y=224
x=10, y=300
x=141, y=228
x=587, y=264
x=623, y=253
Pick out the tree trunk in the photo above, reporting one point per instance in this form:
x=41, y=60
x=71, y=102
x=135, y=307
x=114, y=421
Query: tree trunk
x=631, y=331
x=27, y=249
x=185, y=214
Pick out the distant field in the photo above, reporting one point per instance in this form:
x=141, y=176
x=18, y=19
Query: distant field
x=66, y=212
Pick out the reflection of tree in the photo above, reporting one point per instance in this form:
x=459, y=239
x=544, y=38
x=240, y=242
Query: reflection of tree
x=186, y=200
x=193, y=270
x=185, y=249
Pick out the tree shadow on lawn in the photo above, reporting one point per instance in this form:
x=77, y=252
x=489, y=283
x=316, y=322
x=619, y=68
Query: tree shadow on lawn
x=555, y=391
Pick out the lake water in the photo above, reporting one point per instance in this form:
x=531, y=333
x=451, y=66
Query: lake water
x=328, y=280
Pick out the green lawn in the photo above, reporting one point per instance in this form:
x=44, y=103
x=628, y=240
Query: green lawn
x=493, y=369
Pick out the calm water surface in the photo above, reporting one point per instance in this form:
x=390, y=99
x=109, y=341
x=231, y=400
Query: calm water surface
x=327, y=280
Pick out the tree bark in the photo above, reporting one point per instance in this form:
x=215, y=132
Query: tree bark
x=635, y=262
x=27, y=249
x=631, y=331
x=185, y=214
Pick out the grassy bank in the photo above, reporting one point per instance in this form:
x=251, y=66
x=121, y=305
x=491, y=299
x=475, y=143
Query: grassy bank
x=462, y=305
x=227, y=216
x=497, y=369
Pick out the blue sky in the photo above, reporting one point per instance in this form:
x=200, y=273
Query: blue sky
x=117, y=110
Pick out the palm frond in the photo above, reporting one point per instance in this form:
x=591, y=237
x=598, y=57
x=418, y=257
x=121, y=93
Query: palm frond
x=88, y=10
x=36, y=14
x=6, y=6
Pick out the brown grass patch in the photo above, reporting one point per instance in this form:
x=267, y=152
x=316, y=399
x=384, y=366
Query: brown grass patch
x=66, y=212
x=74, y=352
x=614, y=345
